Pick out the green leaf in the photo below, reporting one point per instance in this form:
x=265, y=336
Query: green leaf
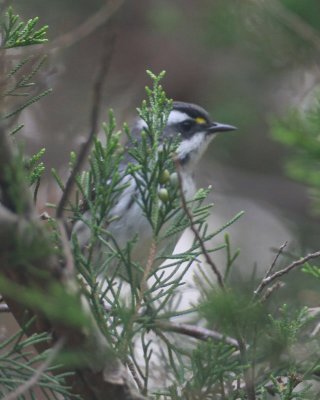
x=18, y=33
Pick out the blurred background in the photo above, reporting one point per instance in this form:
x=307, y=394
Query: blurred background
x=248, y=62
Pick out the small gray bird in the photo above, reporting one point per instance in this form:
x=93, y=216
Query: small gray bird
x=194, y=128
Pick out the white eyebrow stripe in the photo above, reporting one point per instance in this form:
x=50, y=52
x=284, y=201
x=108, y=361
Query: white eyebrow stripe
x=177, y=116
x=174, y=118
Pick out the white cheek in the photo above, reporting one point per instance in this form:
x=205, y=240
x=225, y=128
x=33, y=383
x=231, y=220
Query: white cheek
x=175, y=117
x=196, y=145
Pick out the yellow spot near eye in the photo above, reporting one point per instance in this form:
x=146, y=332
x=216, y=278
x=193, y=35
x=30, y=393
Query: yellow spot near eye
x=200, y=120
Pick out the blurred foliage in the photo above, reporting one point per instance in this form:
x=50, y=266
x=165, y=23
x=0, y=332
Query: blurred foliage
x=312, y=270
x=308, y=12
x=300, y=133
x=227, y=309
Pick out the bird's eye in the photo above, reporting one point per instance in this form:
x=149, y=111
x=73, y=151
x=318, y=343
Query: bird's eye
x=187, y=125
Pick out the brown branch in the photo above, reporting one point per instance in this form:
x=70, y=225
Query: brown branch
x=74, y=36
x=195, y=230
x=134, y=374
x=247, y=375
x=273, y=264
x=94, y=118
x=196, y=332
x=276, y=259
x=266, y=281
x=271, y=289
x=22, y=389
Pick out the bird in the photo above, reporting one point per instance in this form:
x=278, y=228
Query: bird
x=193, y=129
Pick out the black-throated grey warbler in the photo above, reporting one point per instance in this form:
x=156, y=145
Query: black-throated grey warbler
x=194, y=128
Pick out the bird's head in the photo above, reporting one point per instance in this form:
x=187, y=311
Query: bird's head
x=195, y=128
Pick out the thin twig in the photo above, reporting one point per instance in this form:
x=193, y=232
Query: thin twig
x=279, y=252
x=134, y=374
x=281, y=248
x=94, y=118
x=266, y=281
x=196, y=332
x=22, y=389
x=271, y=289
x=247, y=376
x=315, y=331
x=68, y=258
x=147, y=269
x=74, y=36
x=195, y=230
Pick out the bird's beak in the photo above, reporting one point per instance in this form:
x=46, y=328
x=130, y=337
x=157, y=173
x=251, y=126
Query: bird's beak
x=217, y=127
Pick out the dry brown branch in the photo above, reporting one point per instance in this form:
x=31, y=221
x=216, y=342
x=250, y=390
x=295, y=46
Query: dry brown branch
x=196, y=332
x=22, y=389
x=195, y=230
x=94, y=120
x=247, y=372
x=273, y=264
x=134, y=374
x=266, y=281
x=271, y=289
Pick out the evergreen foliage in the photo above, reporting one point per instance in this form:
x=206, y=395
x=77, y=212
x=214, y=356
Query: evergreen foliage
x=16, y=33
x=136, y=303
x=299, y=131
x=19, y=363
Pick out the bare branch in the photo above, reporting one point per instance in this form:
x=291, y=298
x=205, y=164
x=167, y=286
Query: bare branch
x=266, y=281
x=271, y=289
x=281, y=248
x=134, y=374
x=279, y=252
x=94, y=119
x=196, y=332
